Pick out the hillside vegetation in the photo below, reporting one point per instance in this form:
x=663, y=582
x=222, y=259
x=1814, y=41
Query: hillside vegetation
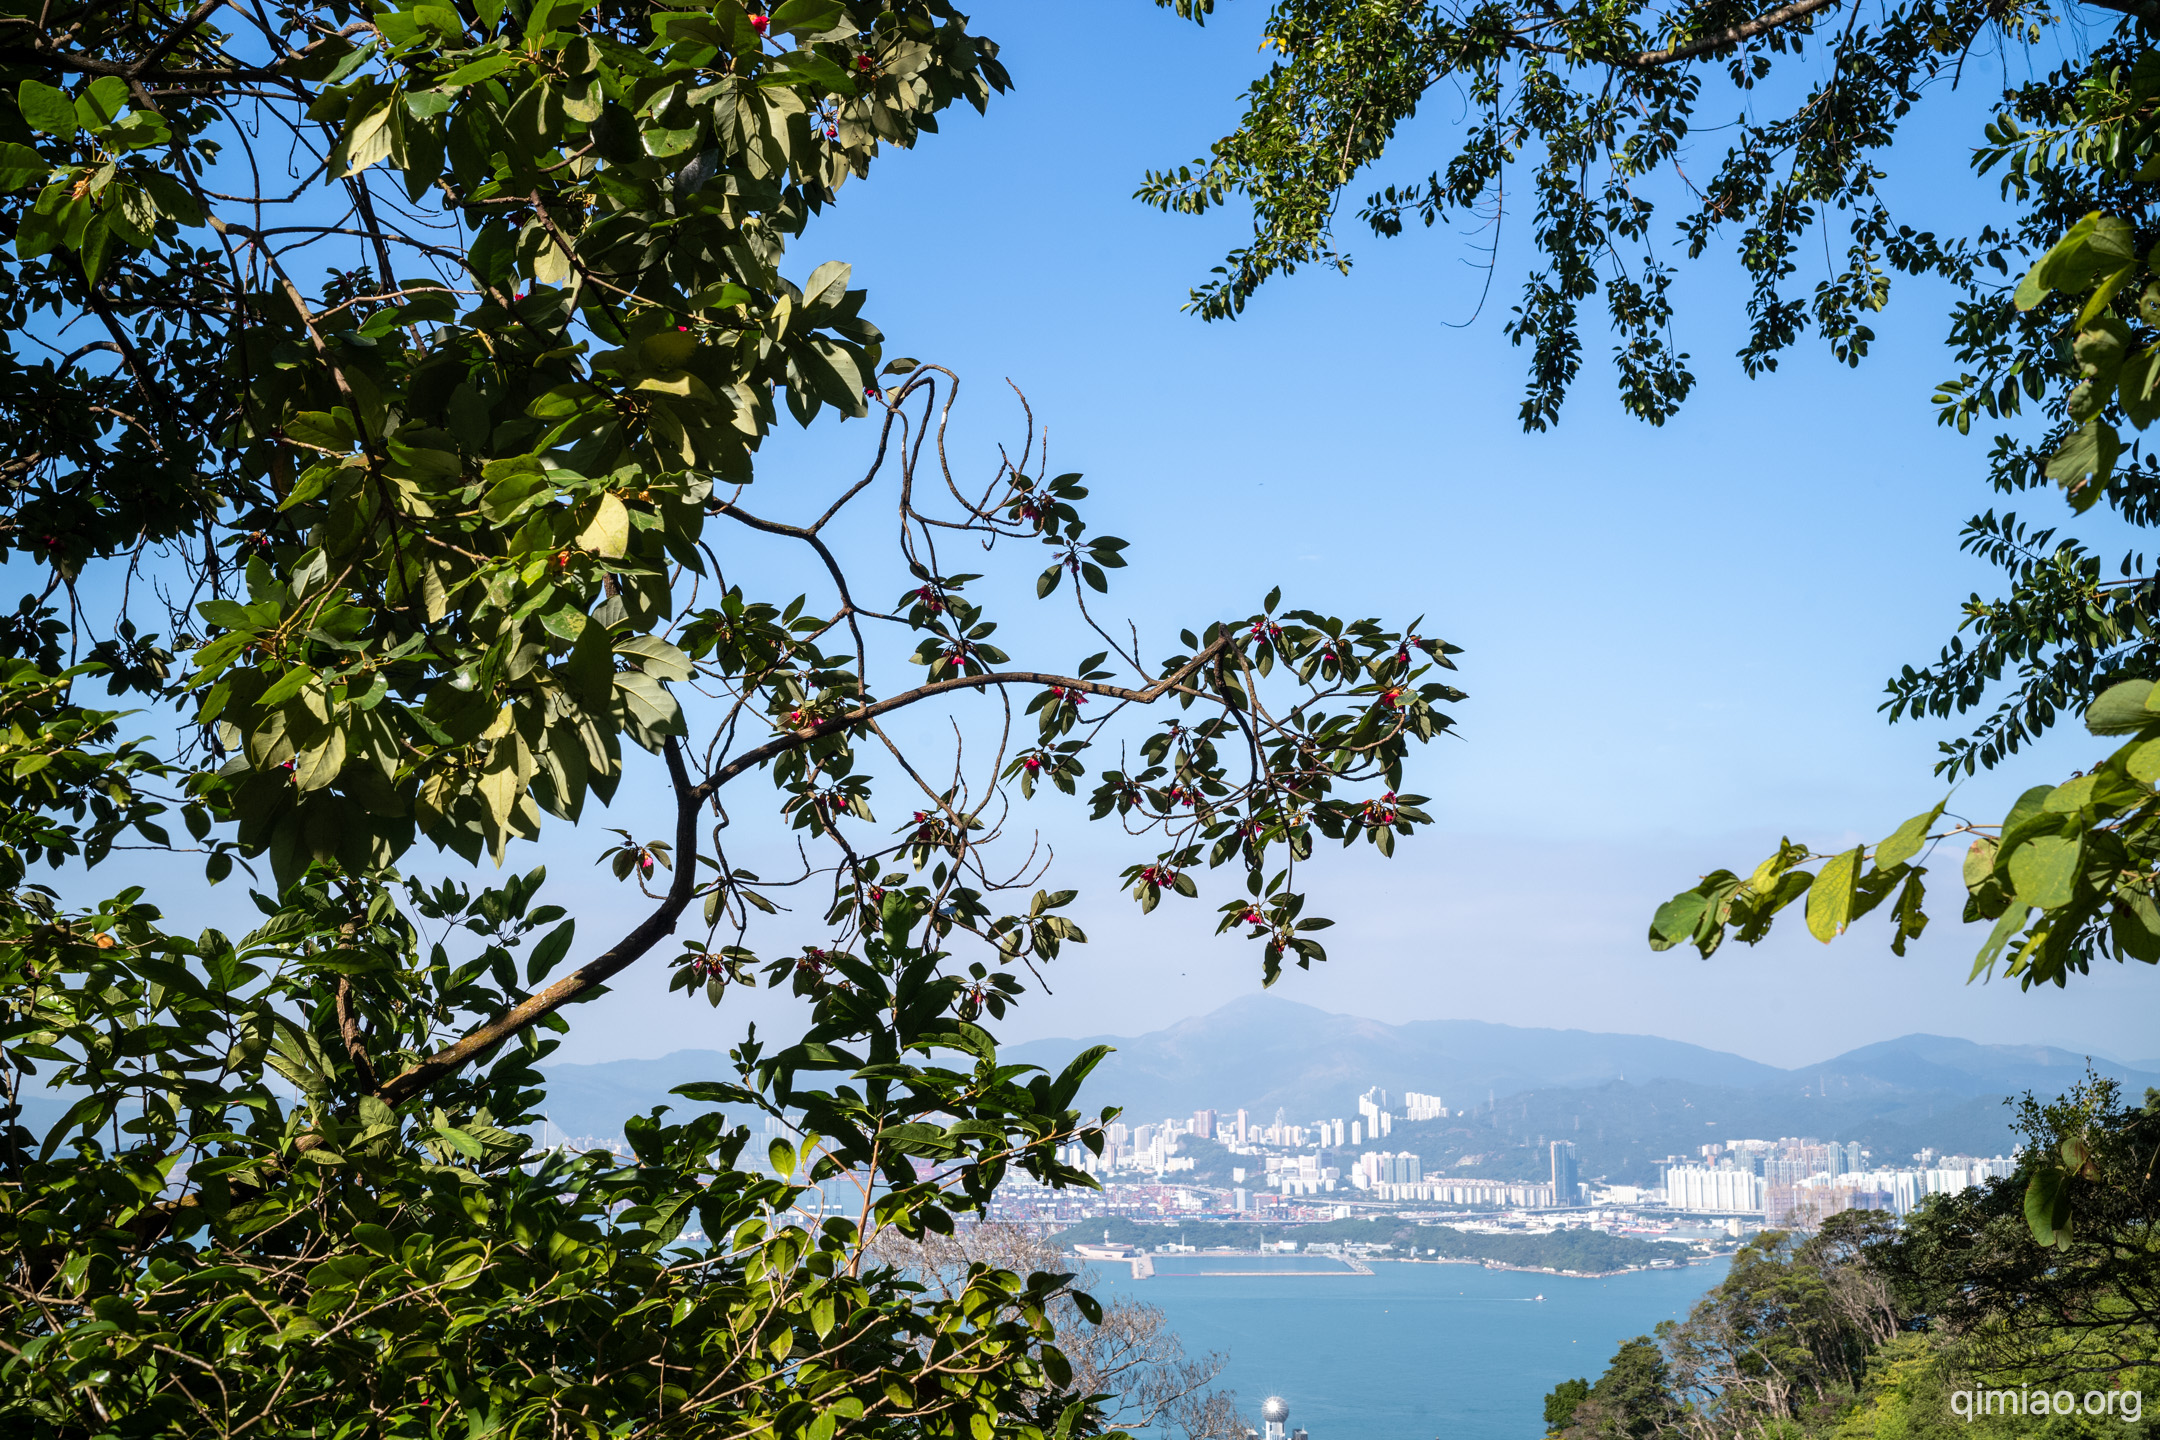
x=1583, y=1251
x=1967, y=1320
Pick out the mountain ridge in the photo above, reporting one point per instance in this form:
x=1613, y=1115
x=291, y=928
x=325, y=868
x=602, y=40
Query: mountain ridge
x=1265, y=1053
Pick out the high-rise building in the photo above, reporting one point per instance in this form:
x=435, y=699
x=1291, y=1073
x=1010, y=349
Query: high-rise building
x=1371, y=1106
x=1244, y=1128
x=1567, y=1188
x=1698, y=1187
x=1422, y=1107
x=1203, y=1124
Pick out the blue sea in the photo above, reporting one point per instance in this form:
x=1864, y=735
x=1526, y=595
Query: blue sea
x=1409, y=1352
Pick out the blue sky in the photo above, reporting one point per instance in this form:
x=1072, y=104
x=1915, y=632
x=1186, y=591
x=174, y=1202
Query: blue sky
x=1675, y=638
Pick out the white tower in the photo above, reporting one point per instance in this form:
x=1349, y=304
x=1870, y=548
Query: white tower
x=1274, y=1411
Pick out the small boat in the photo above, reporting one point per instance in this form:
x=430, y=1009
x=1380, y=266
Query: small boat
x=1540, y=1297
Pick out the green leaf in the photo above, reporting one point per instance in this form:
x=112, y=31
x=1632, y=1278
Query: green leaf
x=369, y=140
x=47, y=110
x=172, y=197
x=325, y=431
x=2121, y=709
x=549, y=952
x=1676, y=919
x=2006, y=928
x=656, y=657
x=1905, y=841
x=807, y=17
x=100, y=106
x=590, y=670
x=320, y=763
x=607, y=533
x=21, y=166
x=667, y=350
x=520, y=485
x=807, y=67
x=827, y=285
x=2085, y=463
x=2097, y=245
x=1830, y=899
x=475, y=71
x=2047, y=1206
x=2044, y=870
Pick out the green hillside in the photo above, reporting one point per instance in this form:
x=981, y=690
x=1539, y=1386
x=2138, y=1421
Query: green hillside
x=1588, y=1251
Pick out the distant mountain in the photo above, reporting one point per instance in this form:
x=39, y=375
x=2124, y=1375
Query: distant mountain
x=1938, y=1063
x=1262, y=1053
x=1623, y=1132
x=594, y=1100
x=1627, y=1099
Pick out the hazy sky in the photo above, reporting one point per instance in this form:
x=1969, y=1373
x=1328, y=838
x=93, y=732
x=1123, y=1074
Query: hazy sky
x=1675, y=638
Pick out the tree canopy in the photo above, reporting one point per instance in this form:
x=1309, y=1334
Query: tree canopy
x=2055, y=333
x=1876, y=1326
x=384, y=387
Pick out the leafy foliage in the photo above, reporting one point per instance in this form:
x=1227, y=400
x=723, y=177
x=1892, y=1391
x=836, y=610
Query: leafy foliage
x=1870, y=1329
x=1595, y=102
x=2068, y=874
x=408, y=565
x=2049, y=1270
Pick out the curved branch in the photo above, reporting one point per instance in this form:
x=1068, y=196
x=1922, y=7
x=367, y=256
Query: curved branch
x=1746, y=30
x=579, y=982
x=2148, y=10
x=794, y=739
x=688, y=798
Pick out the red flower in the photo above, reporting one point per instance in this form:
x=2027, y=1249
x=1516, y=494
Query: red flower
x=761, y=23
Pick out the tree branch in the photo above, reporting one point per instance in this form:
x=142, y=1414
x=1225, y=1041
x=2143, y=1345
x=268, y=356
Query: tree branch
x=581, y=981
x=1746, y=30
x=632, y=947
x=750, y=759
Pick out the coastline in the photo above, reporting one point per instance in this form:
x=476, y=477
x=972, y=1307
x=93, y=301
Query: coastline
x=1360, y=1265
x=1530, y=1269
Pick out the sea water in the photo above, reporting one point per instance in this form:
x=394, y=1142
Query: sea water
x=1411, y=1351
